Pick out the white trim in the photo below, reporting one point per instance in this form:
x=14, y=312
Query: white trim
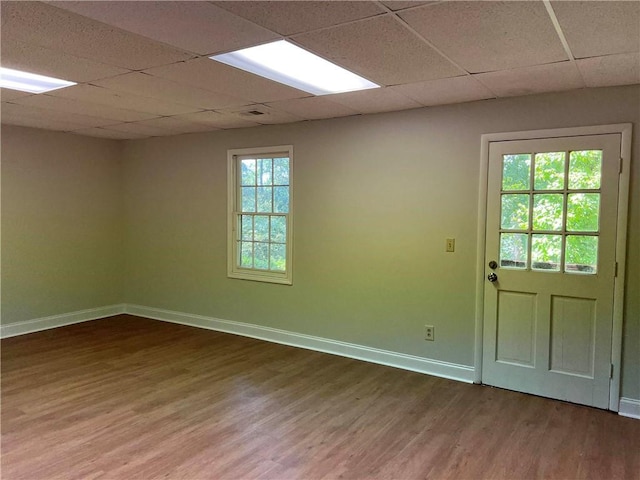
x=629, y=407
x=54, y=321
x=557, y=133
x=625, y=130
x=437, y=368
x=480, y=253
x=621, y=259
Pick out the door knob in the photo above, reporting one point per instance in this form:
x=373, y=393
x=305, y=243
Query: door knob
x=492, y=277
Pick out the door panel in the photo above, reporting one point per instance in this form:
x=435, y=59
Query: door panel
x=573, y=322
x=551, y=231
x=515, y=328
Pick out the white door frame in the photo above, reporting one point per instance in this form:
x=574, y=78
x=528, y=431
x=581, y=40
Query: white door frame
x=621, y=237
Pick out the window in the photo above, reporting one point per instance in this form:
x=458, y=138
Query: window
x=260, y=220
x=550, y=211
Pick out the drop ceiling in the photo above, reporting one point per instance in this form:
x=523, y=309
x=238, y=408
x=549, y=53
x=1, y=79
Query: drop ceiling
x=142, y=67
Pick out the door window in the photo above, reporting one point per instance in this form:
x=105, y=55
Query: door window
x=550, y=211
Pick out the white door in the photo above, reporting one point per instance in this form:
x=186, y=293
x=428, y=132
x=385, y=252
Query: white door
x=550, y=266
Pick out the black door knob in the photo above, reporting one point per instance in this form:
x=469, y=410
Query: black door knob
x=492, y=277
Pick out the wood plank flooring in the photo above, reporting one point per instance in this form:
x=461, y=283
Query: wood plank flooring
x=131, y=398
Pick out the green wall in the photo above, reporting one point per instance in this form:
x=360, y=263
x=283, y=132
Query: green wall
x=61, y=223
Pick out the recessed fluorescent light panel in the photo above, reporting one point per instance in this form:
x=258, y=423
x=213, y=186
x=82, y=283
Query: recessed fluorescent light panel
x=287, y=63
x=30, y=82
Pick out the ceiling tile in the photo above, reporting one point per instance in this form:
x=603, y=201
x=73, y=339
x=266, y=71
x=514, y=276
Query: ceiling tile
x=15, y=118
x=98, y=44
x=70, y=105
x=161, y=88
x=219, y=120
x=288, y=18
x=44, y=115
x=270, y=115
x=215, y=76
x=599, y=28
x=611, y=70
x=539, y=79
x=41, y=24
x=374, y=100
x=6, y=94
x=313, y=108
x=401, y=5
x=58, y=64
x=199, y=27
x=104, y=133
x=489, y=36
x=140, y=129
x=178, y=124
x=450, y=90
x=104, y=96
x=380, y=49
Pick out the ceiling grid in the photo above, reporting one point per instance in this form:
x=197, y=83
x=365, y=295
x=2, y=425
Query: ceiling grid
x=142, y=68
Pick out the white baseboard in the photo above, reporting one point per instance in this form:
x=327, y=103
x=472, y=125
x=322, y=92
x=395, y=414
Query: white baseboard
x=437, y=368
x=629, y=407
x=45, y=323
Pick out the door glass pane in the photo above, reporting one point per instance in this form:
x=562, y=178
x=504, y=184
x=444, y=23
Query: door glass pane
x=248, y=172
x=545, y=252
x=265, y=173
x=516, y=172
x=513, y=250
x=278, y=257
x=582, y=212
x=547, y=211
x=581, y=254
x=585, y=169
x=549, y=171
x=515, y=211
x=248, y=199
x=246, y=254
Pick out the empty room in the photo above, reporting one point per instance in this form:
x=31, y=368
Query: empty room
x=320, y=240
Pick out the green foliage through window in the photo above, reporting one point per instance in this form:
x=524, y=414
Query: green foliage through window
x=547, y=211
x=549, y=171
x=516, y=172
x=515, y=211
x=264, y=201
x=585, y=169
x=568, y=202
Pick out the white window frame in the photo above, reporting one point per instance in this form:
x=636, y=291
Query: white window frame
x=234, y=211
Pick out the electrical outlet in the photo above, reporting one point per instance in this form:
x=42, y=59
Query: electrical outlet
x=451, y=245
x=429, y=333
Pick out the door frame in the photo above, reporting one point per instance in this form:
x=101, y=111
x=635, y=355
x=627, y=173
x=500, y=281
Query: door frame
x=624, y=129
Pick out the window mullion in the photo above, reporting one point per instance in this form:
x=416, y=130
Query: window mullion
x=532, y=177
x=565, y=212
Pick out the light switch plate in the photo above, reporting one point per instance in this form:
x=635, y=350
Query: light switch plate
x=451, y=245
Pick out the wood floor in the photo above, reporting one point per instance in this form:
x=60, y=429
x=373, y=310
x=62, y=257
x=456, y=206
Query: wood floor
x=130, y=398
